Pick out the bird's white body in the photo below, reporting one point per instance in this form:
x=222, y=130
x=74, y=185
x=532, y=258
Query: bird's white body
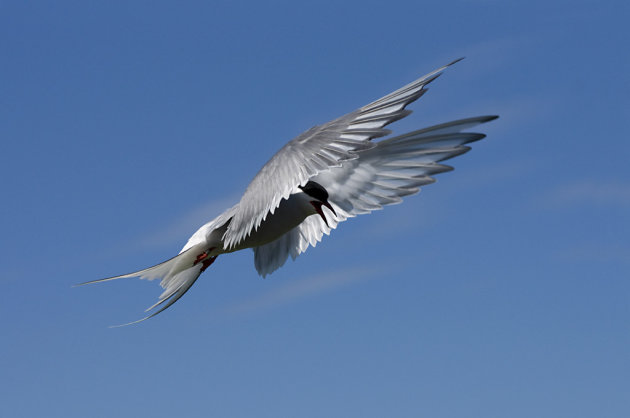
x=328, y=174
x=290, y=213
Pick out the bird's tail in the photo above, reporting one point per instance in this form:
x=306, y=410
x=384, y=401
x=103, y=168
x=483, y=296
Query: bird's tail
x=177, y=275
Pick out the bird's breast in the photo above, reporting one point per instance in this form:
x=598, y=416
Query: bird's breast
x=287, y=216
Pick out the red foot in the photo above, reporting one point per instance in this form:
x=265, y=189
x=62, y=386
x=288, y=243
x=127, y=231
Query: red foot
x=200, y=257
x=207, y=263
x=205, y=260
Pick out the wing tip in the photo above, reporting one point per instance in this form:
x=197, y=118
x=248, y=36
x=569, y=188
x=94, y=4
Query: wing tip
x=455, y=61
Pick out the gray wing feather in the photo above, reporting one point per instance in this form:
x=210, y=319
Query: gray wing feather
x=398, y=166
x=381, y=176
x=318, y=150
x=270, y=257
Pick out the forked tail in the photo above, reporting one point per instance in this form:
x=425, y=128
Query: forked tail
x=177, y=275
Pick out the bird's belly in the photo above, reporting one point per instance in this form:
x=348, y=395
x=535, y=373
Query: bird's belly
x=286, y=217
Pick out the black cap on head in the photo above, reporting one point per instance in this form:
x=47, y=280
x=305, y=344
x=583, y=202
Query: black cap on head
x=315, y=190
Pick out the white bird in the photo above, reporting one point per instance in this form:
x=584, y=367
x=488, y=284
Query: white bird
x=326, y=175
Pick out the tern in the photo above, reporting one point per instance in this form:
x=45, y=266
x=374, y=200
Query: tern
x=330, y=173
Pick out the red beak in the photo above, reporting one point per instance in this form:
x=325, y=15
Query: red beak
x=318, y=208
x=329, y=207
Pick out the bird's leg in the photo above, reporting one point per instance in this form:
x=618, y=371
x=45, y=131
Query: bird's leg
x=205, y=260
x=203, y=256
x=200, y=257
x=207, y=263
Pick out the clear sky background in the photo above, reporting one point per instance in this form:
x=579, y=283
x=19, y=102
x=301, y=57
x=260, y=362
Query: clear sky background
x=501, y=291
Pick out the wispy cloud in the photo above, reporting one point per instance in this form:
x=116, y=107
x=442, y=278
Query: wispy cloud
x=184, y=226
x=520, y=110
x=590, y=192
x=413, y=216
x=302, y=288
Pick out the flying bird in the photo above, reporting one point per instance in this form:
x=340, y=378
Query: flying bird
x=324, y=176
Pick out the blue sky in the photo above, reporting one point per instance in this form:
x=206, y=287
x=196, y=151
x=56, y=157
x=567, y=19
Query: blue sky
x=500, y=291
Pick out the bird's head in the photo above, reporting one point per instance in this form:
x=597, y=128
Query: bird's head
x=318, y=198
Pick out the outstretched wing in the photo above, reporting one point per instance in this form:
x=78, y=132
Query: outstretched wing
x=383, y=175
x=318, y=150
x=397, y=167
x=270, y=257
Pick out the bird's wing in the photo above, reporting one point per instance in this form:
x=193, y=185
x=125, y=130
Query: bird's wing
x=397, y=167
x=270, y=257
x=318, y=150
x=383, y=175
